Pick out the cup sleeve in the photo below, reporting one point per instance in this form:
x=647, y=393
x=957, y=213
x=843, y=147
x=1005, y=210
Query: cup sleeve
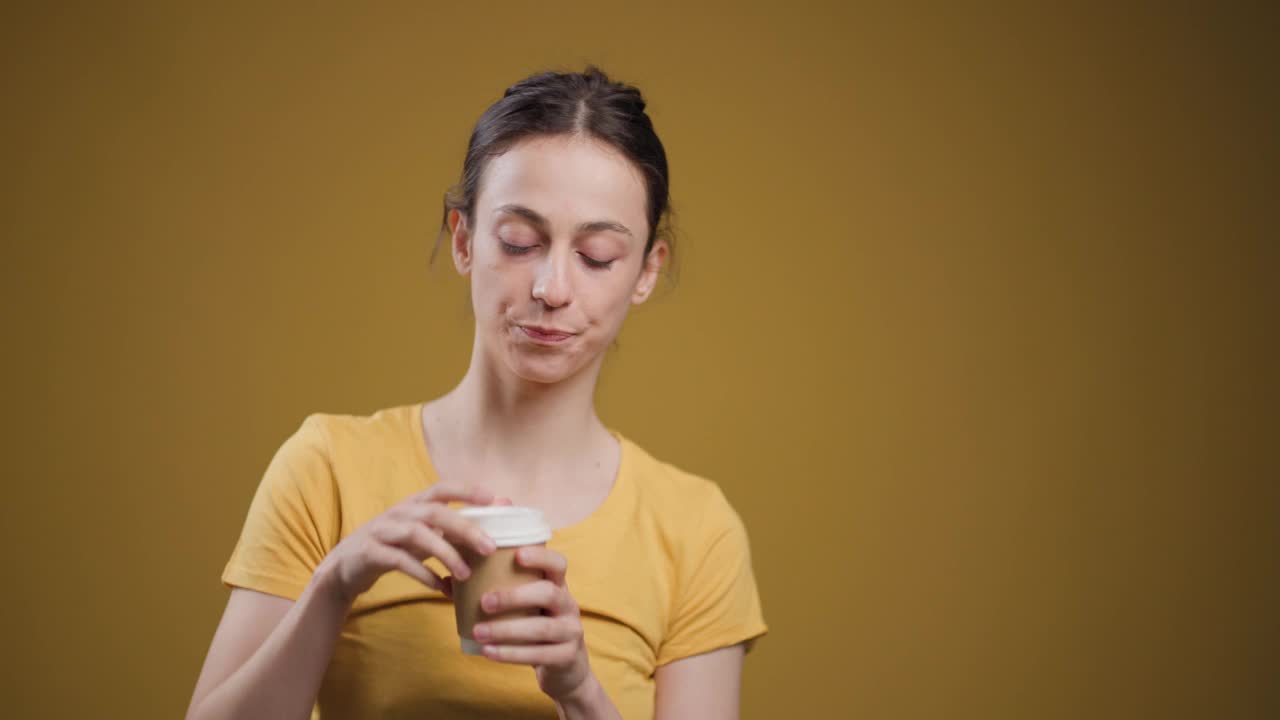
x=292, y=520
x=717, y=603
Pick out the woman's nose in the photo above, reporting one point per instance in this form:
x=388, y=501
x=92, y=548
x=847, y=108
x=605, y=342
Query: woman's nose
x=551, y=284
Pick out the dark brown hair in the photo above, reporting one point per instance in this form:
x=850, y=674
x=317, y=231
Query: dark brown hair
x=556, y=103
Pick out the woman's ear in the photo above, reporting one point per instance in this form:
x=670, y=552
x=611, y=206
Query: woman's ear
x=649, y=273
x=460, y=242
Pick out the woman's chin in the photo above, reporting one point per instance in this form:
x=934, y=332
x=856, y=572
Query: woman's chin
x=544, y=370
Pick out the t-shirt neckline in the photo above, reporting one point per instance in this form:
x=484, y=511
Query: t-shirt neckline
x=557, y=534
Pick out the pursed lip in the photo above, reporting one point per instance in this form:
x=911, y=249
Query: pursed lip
x=546, y=334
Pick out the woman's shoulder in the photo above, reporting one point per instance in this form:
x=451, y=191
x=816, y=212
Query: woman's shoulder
x=339, y=427
x=340, y=435
x=385, y=443
x=684, y=498
x=361, y=462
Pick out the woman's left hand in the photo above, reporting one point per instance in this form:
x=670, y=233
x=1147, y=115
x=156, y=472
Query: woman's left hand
x=551, y=642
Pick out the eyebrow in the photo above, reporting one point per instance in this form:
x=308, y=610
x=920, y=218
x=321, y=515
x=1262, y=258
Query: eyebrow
x=585, y=227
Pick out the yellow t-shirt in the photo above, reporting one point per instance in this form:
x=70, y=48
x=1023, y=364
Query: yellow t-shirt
x=661, y=571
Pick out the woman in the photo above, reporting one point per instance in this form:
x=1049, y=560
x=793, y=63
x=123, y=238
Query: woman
x=342, y=575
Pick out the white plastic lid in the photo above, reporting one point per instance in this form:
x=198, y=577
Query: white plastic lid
x=509, y=525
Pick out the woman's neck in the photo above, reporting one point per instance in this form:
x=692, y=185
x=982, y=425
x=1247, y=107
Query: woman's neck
x=496, y=419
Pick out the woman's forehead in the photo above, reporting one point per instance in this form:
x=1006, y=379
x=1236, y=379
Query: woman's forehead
x=567, y=180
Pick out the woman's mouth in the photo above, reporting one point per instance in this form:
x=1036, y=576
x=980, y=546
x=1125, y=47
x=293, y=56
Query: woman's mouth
x=544, y=335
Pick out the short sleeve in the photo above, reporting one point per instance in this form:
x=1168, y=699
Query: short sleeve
x=292, y=520
x=717, y=603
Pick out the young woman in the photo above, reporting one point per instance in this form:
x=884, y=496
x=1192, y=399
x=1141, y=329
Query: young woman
x=341, y=579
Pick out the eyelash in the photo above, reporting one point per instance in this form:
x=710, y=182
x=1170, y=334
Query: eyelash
x=510, y=249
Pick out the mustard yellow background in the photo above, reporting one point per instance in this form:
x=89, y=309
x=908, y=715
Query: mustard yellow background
x=975, y=325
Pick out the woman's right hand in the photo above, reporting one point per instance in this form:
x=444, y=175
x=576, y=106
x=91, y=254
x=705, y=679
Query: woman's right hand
x=401, y=538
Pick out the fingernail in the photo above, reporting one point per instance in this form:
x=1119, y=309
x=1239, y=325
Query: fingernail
x=488, y=547
x=481, y=632
x=489, y=601
x=464, y=572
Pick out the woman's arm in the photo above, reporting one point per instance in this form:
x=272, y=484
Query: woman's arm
x=269, y=654
x=588, y=702
x=701, y=686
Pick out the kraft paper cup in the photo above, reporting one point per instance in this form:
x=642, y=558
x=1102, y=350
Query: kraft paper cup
x=511, y=528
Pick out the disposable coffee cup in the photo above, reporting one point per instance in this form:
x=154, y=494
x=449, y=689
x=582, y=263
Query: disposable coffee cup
x=511, y=528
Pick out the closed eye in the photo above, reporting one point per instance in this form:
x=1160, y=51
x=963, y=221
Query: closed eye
x=589, y=261
x=510, y=249
x=593, y=263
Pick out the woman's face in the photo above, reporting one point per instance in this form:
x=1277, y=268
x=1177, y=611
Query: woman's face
x=556, y=257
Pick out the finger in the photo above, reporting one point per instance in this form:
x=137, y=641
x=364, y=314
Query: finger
x=458, y=529
x=537, y=629
x=557, y=654
x=550, y=562
x=422, y=543
x=392, y=558
x=541, y=594
x=449, y=492
x=503, y=501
